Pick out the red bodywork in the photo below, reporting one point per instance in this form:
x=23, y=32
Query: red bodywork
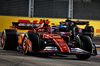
x=59, y=41
x=56, y=38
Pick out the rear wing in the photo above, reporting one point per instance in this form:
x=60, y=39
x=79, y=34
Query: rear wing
x=75, y=22
x=25, y=26
x=80, y=22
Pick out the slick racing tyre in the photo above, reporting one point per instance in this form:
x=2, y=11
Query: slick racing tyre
x=9, y=40
x=31, y=43
x=87, y=46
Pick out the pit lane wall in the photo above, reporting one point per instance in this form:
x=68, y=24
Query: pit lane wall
x=6, y=22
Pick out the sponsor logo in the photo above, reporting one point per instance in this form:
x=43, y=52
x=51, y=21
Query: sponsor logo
x=56, y=37
x=59, y=40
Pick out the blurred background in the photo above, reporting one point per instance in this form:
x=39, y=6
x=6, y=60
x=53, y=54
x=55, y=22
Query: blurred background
x=75, y=9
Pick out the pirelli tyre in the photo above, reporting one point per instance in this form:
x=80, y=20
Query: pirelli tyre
x=86, y=44
x=9, y=39
x=31, y=43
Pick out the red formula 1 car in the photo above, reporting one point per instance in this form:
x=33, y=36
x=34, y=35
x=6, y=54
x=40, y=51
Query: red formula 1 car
x=40, y=39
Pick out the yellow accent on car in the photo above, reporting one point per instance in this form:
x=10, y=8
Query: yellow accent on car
x=59, y=40
x=65, y=49
x=27, y=47
x=4, y=45
x=43, y=36
x=20, y=39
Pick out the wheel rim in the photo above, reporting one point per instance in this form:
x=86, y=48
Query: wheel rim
x=3, y=40
x=25, y=44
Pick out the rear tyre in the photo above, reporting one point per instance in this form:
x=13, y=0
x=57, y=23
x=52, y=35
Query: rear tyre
x=9, y=40
x=87, y=46
x=31, y=43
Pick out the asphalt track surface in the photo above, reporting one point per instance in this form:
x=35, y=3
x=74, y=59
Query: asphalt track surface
x=14, y=58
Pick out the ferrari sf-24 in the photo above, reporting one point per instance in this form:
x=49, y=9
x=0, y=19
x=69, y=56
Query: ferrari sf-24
x=41, y=38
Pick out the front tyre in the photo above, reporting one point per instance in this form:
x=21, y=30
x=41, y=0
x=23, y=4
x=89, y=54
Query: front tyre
x=87, y=46
x=31, y=43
